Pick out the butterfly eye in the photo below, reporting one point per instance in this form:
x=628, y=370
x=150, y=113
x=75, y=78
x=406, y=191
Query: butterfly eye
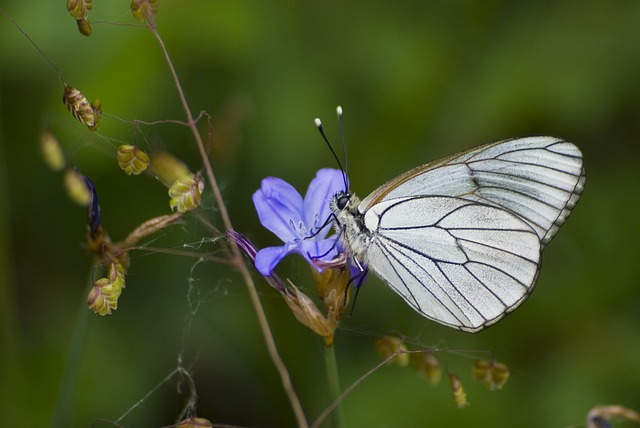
x=343, y=201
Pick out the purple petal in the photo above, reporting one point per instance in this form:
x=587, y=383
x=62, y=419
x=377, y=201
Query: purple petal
x=278, y=204
x=322, y=188
x=324, y=249
x=268, y=258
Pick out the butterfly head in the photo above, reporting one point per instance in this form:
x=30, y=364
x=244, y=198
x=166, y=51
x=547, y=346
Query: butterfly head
x=344, y=202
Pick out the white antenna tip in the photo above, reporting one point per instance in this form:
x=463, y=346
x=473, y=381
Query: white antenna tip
x=318, y=122
x=339, y=110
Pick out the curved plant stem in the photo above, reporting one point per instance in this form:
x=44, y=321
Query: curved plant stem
x=235, y=252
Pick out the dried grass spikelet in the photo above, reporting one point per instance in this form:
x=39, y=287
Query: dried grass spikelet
x=103, y=296
x=492, y=374
x=144, y=9
x=186, y=193
x=599, y=416
x=77, y=188
x=79, y=8
x=391, y=346
x=132, y=160
x=308, y=314
x=167, y=167
x=427, y=366
x=81, y=109
x=331, y=287
x=150, y=227
x=51, y=151
x=458, y=392
x=84, y=26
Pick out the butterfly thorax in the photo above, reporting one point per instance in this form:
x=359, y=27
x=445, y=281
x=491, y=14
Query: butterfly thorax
x=349, y=225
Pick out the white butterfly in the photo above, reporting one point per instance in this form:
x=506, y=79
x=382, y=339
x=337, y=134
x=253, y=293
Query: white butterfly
x=460, y=238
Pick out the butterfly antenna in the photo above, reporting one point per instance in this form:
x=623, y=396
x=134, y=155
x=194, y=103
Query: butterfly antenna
x=24, y=33
x=318, y=124
x=344, y=145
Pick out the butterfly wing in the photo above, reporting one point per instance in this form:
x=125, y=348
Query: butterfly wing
x=457, y=262
x=460, y=238
x=539, y=179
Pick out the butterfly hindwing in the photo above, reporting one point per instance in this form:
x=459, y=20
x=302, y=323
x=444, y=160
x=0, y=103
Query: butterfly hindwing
x=457, y=262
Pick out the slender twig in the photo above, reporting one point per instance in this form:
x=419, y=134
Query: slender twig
x=237, y=256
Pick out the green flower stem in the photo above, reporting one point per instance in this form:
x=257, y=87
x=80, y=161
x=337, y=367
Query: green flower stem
x=333, y=378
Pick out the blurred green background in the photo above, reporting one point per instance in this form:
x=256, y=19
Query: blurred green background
x=417, y=80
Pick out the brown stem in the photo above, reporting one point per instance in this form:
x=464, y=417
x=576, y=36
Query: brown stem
x=237, y=256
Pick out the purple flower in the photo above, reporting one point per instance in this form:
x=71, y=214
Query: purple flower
x=297, y=222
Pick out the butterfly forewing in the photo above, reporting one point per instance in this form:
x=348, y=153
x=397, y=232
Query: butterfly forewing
x=539, y=179
x=460, y=238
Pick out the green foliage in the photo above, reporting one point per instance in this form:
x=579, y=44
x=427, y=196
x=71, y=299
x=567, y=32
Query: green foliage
x=417, y=80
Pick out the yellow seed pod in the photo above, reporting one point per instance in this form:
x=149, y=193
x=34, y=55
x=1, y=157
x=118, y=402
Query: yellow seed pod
x=79, y=8
x=457, y=390
x=195, y=423
x=142, y=9
x=77, y=104
x=492, y=374
x=51, y=151
x=103, y=298
x=388, y=346
x=77, y=188
x=116, y=276
x=500, y=375
x=132, y=160
x=481, y=370
x=168, y=168
x=427, y=366
x=84, y=26
x=186, y=192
